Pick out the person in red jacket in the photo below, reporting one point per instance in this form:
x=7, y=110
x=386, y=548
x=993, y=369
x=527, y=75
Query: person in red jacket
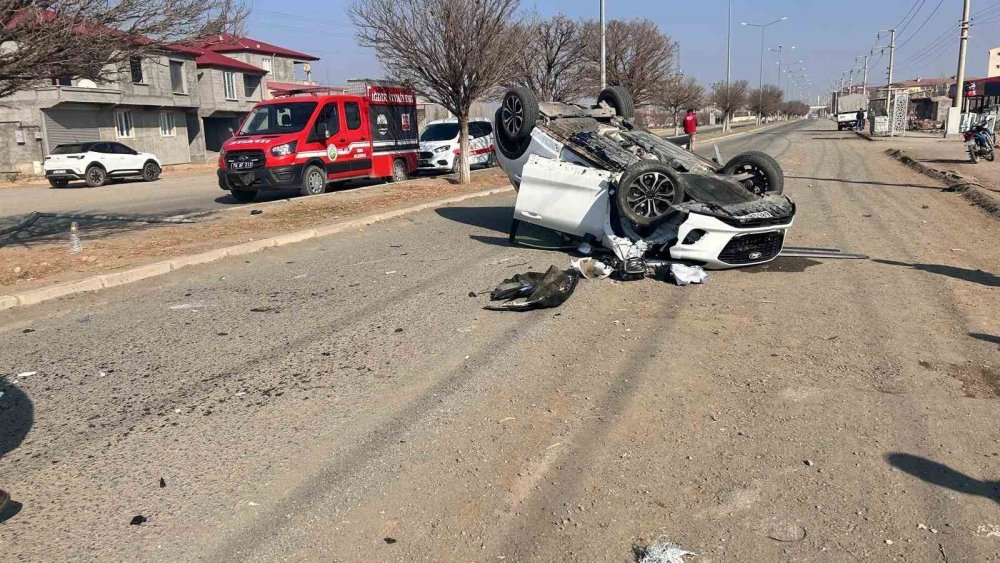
x=691, y=127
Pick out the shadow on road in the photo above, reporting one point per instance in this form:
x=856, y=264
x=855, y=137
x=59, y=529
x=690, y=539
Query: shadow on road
x=496, y=219
x=943, y=160
x=980, y=277
x=842, y=181
x=47, y=230
x=943, y=476
x=17, y=414
x=784, y=264
x=992, y=339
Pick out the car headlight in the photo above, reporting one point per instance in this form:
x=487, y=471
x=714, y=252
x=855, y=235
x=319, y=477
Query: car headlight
x=440, y=150
x=284, y=150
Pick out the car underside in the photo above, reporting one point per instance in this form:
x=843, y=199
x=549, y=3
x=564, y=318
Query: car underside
x=592, y=175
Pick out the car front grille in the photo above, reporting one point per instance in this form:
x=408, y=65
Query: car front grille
x=256, y=157
x=426, y=155
x=749, y=249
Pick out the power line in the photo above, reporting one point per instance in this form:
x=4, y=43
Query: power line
x=917, y=32
x=913, y=16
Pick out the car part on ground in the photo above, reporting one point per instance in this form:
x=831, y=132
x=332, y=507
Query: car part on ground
x=595, y=177
x=534, y=290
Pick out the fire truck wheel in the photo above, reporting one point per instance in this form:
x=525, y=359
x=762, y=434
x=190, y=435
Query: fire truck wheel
x=313, y=180
x=399, y=173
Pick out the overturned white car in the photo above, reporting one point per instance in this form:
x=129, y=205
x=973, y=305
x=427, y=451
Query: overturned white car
x=592, y=175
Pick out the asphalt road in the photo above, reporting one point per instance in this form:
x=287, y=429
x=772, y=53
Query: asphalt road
x=185, y=192
x=346, y=399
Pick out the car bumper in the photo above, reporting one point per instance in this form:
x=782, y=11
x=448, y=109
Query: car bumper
x=64, y=174
x=276, y=178
x=720, y=246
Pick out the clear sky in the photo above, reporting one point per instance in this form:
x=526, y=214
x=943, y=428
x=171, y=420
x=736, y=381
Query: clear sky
x=827, y=34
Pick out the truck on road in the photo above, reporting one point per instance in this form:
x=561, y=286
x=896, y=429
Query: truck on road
x=845, y=109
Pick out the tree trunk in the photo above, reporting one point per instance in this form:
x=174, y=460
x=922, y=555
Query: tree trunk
x=464, y=174
x=726, y=125
x=677, y=125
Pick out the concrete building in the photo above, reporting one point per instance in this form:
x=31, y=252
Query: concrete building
x=181, y=104
x=993, y=63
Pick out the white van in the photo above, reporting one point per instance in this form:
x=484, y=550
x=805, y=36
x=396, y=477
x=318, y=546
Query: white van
x=439, y=145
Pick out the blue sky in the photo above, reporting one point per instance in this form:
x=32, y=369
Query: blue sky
x=827, y=35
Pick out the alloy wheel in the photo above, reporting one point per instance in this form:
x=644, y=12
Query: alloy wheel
x=512, y=115
x=651, y=195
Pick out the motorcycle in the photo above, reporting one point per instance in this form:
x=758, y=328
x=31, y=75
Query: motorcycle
x=981, y=143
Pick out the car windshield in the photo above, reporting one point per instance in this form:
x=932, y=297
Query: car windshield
x=68, y=149
x=276, y=119
x=439, y=132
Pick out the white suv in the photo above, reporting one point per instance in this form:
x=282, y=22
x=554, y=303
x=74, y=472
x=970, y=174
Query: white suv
x=97, y=162
x=439, y=145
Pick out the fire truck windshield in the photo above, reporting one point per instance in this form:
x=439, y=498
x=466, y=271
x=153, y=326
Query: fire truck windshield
x=277, y=119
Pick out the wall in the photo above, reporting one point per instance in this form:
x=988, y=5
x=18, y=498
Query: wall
x=993, y=63
x=282, y=68
x=20, y=158
x=157, y=88
x=213, y=93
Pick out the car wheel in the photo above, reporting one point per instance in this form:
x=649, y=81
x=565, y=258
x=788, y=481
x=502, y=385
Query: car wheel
x=96, y=176
x=313, y=180
x=512, y=150
x=399, y=172
x=647, y=191
x=244, y=196
x=150, y=172
x=619, y=100
x=766, y=177
x=58, y=182
x=518, y=114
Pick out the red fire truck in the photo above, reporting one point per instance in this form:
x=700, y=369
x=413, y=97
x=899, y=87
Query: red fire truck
x=307, y=139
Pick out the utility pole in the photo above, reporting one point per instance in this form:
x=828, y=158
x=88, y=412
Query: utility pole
x=892, y=53
x=760, y=85
x=864, y=79
x=604, y=49
x=963, y=46
x=729, y=60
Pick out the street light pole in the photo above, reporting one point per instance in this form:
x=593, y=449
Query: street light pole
x=760, y=82
x=729, y=59
x=604, y=49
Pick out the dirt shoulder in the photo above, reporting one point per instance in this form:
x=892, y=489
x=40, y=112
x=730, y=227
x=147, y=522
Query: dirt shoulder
x=41, y=255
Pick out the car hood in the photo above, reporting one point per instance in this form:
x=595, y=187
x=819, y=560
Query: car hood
x=431, y=145
x=250, y=142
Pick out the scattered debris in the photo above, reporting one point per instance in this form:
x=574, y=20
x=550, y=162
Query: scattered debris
x=586, y=249
x=809, y=462
x=988, y=531
x=398, y=330
x=390, y=273
x=888, y=542
x=27, y=331
x=472, y=294
x=262, y=310
x=389, y=540
x=661, y=551
x=138, y=520
x=252, y=503
x=27, y=373
x=186, y=306
x=684, y=275
x=592, y=269
x=163, y=483
x=788, y=532
x=533, y=290
x=256, y=211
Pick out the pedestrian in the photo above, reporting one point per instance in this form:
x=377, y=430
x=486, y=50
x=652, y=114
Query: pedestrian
x=860, y=125
x=691, y=127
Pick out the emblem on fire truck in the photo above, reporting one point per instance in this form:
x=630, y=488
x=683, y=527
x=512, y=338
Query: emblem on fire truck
x=331, y=152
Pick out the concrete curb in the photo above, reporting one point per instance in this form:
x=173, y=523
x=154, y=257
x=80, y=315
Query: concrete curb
x=955, y=181
x=115, y=279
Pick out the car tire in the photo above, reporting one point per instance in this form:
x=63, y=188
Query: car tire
x=399, y=172
x=244, y=196
x=96, y=176
x=150, y=171
x=646, y=192
x=518, y=114
x=510, y=149
x=619, y=99
x=313, y=180
x=58, y=182
x=768, y=178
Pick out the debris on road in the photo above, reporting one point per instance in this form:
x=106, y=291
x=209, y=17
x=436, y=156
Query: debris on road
x=533, y=290
x=389, y=541
x=661, y=551
x=256, y=211
x=138, y=520
x=27, y=373
x=684, y=275
x=592, y=269
x=163, y=483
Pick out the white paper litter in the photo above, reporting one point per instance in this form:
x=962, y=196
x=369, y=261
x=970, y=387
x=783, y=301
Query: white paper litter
x=27, y=373
x=684, y=275
x=591, y=269
x=663, y=551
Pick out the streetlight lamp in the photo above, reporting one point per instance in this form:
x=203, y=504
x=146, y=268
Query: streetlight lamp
x=779, y=50
x=760, y=84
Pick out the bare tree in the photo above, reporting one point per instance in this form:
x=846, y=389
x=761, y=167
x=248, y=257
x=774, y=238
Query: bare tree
x=678, y=94
x=730, y=98
x=795, y=108
x=95, y=39
x=453, y=52
x=640, y=56
x=551, y=63
x=765, y=101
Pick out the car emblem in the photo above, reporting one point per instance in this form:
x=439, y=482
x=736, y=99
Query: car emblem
x=755, y=255
x=757, y=215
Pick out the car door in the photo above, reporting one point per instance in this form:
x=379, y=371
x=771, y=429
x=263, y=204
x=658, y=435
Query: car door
x=325, y=135
x=107, y=156
x=354, y=137
x=130, y=159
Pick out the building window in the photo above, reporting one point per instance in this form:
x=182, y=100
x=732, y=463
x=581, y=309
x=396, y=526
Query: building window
x=229, y=84
x=123, y=124
x=167, y=127
x=177, y=82
x=62, y=81
x=135, y=66
x=266, y=64
x=250, y=86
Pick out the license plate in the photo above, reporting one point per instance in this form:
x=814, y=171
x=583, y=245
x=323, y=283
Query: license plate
x=241, y=165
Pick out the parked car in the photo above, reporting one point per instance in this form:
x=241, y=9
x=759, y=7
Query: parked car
x=307, y=140
x=440, y=148
x=591, y=174
x=98, y=162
